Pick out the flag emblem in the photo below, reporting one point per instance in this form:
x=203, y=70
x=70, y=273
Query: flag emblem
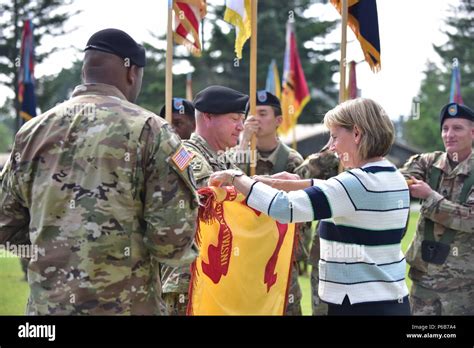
x=182, y=158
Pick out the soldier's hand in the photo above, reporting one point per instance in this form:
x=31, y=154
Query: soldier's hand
x=221, y=178
x=251, y=127
x=286, y=176
x=419, y=188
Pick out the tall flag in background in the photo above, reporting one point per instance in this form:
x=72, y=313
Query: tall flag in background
x=455, y=94
x=273, y=80
x=352, y=91
x=238, y=13
x=295, y=93
x=188, y=15
x=363, y=20
x=189, y=86
x=244, y=263
x=26, y=81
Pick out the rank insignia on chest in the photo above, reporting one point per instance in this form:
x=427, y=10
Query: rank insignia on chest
x=197, y=165
x=182, y=158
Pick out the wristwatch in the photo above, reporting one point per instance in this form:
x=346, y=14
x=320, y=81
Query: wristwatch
x=234, y=174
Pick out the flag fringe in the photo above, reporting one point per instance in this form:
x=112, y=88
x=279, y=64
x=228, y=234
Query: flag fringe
x=367, y=48
x=188, y=44
x=244, y=32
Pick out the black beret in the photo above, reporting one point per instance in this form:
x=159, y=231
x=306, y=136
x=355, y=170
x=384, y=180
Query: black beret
x=118, y=42
x=266, y=98
x=455, y=110
x=220, y=100
x=180, y=106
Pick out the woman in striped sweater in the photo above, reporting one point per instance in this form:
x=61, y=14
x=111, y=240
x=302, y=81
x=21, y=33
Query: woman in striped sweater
x=363, y=213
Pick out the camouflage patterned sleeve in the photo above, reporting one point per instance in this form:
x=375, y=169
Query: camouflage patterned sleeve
x=170, y=197
x=321, y=165
x=294, y=161
x=14, y=216
x=458, y=217
x=202, y=170
x=416, y=166
x=452, y=215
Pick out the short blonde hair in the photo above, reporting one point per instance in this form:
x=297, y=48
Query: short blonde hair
x=372, y=121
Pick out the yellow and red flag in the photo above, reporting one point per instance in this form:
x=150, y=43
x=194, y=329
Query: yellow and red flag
x=188, y=15
x=238, y=13
x=244, y=264
x=295, y=93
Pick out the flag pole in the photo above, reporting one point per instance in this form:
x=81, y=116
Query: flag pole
x=293, y=131
x=342, y=63
x=169, y=64
x=189, y=87
x=253, y=82
x=294, y=144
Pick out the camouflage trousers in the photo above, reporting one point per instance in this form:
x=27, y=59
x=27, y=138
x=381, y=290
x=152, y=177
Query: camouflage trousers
x=175, y=303
x=428, y=302
x=293, y=306
x=319, y=307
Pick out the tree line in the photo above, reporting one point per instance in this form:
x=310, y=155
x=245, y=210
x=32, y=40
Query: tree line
x=218, y=65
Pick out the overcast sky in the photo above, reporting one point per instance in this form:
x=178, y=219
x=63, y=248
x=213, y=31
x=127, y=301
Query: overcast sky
x=408, y=29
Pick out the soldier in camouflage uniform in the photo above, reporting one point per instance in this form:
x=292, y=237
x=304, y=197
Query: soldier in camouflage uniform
x=273, y=157
x=103, y=188
x=441, y=255
x=322, y=165
x=182, y=120
x=219, y=121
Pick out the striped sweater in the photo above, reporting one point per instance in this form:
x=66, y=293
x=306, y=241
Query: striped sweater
x=363, y=214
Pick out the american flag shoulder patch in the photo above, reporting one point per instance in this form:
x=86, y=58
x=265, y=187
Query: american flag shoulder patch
x=182, y=158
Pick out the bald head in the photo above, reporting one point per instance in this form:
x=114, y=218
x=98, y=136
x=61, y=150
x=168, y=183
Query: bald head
x=102, y=67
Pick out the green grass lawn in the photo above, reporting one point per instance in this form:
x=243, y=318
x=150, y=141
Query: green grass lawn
x=14, y=290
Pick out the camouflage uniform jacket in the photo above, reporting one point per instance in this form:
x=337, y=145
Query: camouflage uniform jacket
x=322, y=165
x=205, y=162
x=444, y=209
x=92, y=184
